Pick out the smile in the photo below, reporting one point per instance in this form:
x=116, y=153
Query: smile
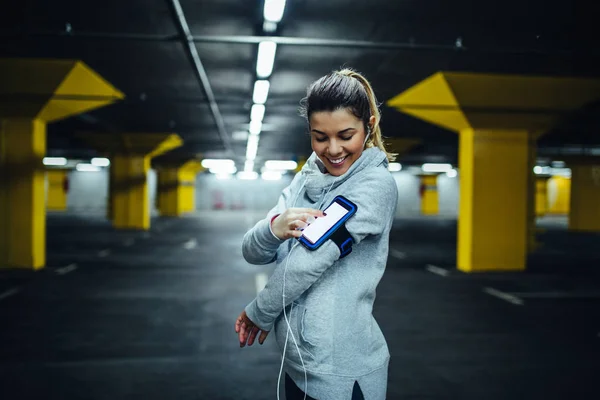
x=337, y=161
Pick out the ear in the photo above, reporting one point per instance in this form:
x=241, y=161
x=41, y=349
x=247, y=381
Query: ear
x=372, y=122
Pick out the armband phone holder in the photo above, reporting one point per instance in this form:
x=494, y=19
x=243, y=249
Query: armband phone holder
x=332, y=226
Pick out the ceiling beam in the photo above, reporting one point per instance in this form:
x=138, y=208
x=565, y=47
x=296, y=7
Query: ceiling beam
x=186, y=37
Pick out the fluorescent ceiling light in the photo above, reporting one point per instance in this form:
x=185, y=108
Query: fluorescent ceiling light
x=255, y=127
x=87, y=167
x=248, y=165
x=100, y=162
x=561, y=172
x=273, y=11
x=55, y=161
x=216, y=163
x=257, y=113
x=277, y=165
x=271, y=175
x=265, y=59
x=394, y=167
x=452, y=173
x=269, y=26
x=252, y=148
x=247, y=175
x=537, y=169
x=223, y=169
x=541, y=170
x=432, y=167
x=261, y=91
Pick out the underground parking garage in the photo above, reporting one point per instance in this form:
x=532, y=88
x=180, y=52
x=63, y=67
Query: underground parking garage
x=140, y=141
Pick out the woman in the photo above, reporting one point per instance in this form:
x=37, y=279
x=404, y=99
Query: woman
x=332, y=345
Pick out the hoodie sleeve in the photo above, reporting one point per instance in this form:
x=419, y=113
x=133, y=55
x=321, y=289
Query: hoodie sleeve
x=260, y=244
x=376, y=201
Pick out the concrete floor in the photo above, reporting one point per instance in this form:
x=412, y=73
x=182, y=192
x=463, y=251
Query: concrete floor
x=123, y=315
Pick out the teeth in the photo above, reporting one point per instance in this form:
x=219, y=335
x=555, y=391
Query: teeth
x=338, y=161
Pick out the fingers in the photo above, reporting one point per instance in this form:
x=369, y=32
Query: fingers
x=252, y=336
x=263, y=336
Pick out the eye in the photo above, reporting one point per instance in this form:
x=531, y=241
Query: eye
x=346, y=137
x=320, y=140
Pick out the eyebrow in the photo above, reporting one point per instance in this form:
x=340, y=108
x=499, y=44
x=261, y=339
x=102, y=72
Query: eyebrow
x=342, y=131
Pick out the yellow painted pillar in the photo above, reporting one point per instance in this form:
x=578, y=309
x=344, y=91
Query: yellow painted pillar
x=22, y=197
x=177, y=188
x=492, y=229
x=584, y=212
x=430, y=204
x=130, y=205
x=57, y=189
x=559, y=195
x=541, y=195
x=36, y=92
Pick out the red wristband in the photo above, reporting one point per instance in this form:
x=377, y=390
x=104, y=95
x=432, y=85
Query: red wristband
x=273, y=219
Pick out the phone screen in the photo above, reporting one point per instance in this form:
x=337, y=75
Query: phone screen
x=314, y=231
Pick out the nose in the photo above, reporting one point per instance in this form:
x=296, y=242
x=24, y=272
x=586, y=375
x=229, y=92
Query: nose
x=335, y=148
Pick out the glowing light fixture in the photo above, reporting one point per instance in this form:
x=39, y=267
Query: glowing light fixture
x=55, y=161
x=452, y=173
x=277, y=165
x=432, y=167
x=247, y=175
x=257, y=113
x=265, y=59
x=83, y=167
x=394, y=167
x=100, y=162
x=216, y=163
x=261, y=91
x=255, y=127
x=248, y=165
x=273, y=11
x=252, y=147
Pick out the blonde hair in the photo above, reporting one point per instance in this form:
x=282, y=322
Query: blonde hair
x=347, y=89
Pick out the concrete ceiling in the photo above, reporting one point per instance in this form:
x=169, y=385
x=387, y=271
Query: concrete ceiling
x=138, y=46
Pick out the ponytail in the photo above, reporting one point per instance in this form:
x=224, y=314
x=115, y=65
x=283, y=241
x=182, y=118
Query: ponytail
x=376, y=138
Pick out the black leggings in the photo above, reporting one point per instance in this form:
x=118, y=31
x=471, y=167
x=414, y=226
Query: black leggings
x=293, y=392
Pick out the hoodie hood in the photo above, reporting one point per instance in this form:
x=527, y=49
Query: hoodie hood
x=317, y=181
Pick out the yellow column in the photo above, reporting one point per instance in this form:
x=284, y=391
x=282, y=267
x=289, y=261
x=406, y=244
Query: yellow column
x=176, y=188
x=584, y=212
x=57, y=189
x=492, y=228
x=559, y=195
x=22, y=197
x=430, y=204
x=130, y=205
x=541, y=195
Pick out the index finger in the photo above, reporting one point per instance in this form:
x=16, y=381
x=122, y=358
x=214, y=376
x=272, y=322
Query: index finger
x=311, y=211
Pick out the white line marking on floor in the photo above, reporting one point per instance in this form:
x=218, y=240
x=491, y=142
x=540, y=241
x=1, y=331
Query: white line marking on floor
x=67, y=269
x=504, y=296
x=103, y=253
x=129, y=242
x=190, y=244
x=398, y=254
x=9, y=293
x=261, y=281
x=437, y=270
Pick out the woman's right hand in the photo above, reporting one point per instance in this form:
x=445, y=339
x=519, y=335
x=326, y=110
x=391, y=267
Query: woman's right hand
x=286, y=225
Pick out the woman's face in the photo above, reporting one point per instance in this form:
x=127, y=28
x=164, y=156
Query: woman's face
x=337, y=138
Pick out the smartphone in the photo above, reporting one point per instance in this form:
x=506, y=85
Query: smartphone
x=336, y=214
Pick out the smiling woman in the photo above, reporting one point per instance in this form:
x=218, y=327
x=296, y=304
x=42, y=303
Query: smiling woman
x=319, y=302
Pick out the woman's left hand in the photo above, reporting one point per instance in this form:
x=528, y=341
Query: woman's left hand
x=247, y=330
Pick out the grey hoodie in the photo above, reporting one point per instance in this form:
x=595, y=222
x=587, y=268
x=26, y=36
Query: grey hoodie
x=328, y=300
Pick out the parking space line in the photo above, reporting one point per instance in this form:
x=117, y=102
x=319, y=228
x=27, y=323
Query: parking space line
x=9, y=293
x=67, y=269
x=397, y=254
x=437, y=270
x=261, y=281
x=190, y=244
x=103, y=253
x=504, y=296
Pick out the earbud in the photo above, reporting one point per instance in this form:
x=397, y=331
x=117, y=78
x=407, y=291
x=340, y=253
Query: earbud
x=368, y=134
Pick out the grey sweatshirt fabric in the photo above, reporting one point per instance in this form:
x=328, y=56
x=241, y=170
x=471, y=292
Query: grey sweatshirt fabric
x=329, y=301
